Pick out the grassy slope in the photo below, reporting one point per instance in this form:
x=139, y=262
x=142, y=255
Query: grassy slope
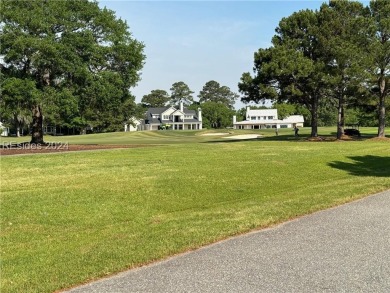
x=67, y=218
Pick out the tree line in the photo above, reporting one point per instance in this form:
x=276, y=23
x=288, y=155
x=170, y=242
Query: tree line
x=335, y=58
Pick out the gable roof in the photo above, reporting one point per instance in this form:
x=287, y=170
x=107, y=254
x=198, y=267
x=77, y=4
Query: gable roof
x=169, y=111
x=156, y=110
x=179, y=112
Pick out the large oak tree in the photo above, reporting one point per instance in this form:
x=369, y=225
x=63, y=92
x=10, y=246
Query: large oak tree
x=81, y=59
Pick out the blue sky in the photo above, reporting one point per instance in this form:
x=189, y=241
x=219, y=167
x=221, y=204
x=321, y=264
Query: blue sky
x=199, y=41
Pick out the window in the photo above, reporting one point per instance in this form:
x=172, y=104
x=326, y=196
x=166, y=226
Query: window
x=155, y=116
x=166, y=117
x=188, y=116
x=265, y=117
x=270, y=117
x=253, y=117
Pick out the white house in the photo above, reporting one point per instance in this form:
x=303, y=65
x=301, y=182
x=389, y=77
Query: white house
x=266, y=118
x=176, y=119
x=4, y=131
x=133, y=124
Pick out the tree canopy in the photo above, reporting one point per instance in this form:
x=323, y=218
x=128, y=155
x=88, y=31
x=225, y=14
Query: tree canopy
x=181, y=93
x=156, y=98
x=213, y=92
x=79, y=59
x=378, y=53
x=216, y=115
x=340, y=51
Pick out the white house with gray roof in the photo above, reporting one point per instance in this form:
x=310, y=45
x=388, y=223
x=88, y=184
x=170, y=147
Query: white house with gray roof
x=172, y=118
x=266, y=118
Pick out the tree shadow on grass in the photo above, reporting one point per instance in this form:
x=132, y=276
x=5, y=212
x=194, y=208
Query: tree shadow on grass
x=365, y=166
x=292, y=138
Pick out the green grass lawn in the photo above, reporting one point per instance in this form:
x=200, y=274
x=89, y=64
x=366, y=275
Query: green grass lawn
x=67, y=218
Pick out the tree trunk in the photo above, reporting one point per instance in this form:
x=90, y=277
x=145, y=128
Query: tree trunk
x=382, y=111
x=340, y=117
x=314, y=117
x=382, y=117
x=17, y=125
x=37, y=125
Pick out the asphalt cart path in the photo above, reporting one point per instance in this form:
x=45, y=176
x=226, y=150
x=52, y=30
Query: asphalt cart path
x=343, y=249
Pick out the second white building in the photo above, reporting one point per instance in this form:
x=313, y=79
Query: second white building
x=266, y=118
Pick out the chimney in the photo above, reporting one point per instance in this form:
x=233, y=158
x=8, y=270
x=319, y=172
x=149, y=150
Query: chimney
x=181, y=106
x=234, y=119
x=199, y=114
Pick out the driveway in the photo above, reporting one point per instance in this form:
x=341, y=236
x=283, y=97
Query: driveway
x=343, y=249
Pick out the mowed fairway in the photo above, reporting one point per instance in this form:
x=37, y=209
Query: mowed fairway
x=68, y=218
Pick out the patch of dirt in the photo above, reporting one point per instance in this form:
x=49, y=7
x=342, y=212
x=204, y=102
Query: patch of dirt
x=26, y=148
x=345, y=138
x=321, y=138
x=349, y=137
x=333, y=138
